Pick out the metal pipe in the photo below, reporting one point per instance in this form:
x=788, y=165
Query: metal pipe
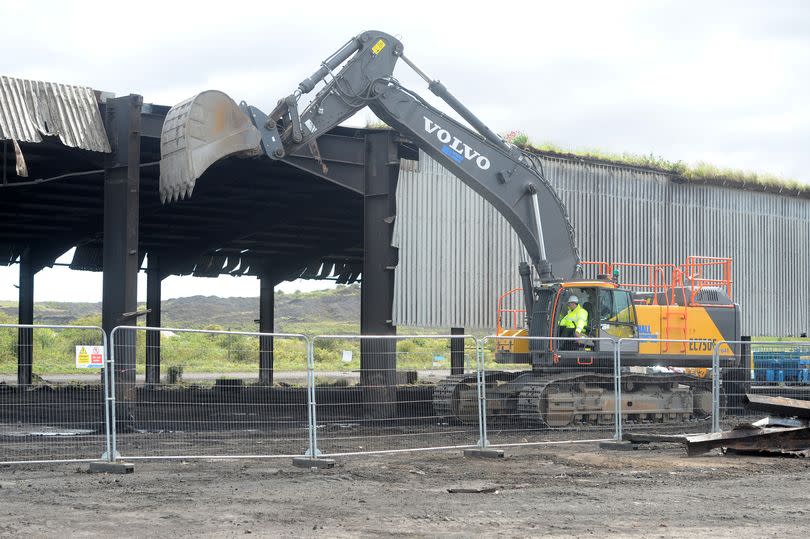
x=416, y=69
x=716, y=387
x=441, y=90
x=66, y=175
x=483, y=442
x=617, y=391
x=342, y=54
x=541, y=245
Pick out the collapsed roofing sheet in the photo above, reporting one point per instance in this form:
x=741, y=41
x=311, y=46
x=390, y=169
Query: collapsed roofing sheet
x=32, y=109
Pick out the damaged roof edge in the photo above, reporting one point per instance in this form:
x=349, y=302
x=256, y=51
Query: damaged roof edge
x=32, y=109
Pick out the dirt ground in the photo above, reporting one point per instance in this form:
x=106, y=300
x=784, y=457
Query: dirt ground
x=560, y=490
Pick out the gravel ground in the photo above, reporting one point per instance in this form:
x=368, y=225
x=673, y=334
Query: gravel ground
x=555, y=490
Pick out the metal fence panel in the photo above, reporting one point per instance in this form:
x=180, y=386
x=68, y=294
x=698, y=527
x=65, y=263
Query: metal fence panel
x=772, y=368
x=216, y=394
x=50, y=409
x=394, y=393
x=686, y=392
x=571, y=400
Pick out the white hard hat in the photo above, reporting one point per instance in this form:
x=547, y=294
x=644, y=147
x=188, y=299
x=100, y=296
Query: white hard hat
x=573, y=299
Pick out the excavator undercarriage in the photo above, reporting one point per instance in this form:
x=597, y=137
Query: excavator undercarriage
x=570, y=400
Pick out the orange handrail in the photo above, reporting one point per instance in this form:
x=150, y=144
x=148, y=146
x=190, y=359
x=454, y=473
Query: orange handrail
x=514, y=312
x=664, y=281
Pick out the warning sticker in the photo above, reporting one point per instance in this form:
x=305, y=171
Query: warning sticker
x=380, y=45
x=89, y=357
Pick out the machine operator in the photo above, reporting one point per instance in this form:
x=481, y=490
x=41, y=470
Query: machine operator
x=573, y=323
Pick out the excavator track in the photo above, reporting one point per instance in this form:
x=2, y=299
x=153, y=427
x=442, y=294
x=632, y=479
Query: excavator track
x=559, y=401
x=456, y=397
x=588, y=399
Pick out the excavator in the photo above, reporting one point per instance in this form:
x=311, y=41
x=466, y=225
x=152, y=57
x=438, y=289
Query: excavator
x=672, y=319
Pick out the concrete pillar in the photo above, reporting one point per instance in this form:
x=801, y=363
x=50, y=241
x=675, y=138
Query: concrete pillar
x=266, y=325
x=121, y=187
x=378, y=358
x=153, y=285
x=25, y=336
x=457, y=352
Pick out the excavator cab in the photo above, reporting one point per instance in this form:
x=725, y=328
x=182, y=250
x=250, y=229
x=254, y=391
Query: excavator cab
x=611, y=313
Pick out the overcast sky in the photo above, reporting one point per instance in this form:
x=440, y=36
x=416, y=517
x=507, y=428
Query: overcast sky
x=723, y=82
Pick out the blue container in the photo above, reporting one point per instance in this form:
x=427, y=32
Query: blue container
x=781, y=367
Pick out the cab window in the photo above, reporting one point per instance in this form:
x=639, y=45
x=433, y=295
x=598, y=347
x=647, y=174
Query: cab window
x=617, y=317
x=616, y=307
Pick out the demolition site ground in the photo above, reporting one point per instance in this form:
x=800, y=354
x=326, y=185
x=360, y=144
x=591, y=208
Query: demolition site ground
x=552, y=490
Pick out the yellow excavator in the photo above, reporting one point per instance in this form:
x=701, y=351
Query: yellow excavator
x=564, y=382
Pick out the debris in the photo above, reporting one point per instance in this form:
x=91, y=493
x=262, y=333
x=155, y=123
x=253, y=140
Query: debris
x=645, y=438
x=750, y=438
x=786, y=433
x=781, y=422
x=780, y=406
x=480, y=490
x=22, y=168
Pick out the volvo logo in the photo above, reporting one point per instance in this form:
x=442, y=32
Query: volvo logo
x=458, y=151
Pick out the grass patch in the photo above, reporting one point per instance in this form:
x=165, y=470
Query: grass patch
x=698, y=172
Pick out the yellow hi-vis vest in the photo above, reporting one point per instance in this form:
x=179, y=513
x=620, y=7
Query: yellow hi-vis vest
x=575, y=318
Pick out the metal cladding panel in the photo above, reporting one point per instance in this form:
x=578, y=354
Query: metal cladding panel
x=30, y=109
x=457, y=254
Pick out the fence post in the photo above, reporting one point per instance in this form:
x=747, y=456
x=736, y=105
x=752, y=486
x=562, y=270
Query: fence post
x=111, y=392
x=617, y=391
x=312, y=421
x=482, y=393
x=716, y=387
x=108, y=401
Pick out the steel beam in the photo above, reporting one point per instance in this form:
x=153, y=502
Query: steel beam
x=343, y=158
x=457, y=352
x=121, y=187
x=25, y=341
x=378, y=357
x=266, y=325
x=153, y=285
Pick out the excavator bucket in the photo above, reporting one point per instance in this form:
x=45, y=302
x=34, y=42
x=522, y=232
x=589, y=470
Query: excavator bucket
x=197, y=133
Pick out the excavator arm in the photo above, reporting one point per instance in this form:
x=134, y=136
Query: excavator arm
x=359, y=75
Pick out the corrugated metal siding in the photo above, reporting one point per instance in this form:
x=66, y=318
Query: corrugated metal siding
x=457, y=254
x=30, y=109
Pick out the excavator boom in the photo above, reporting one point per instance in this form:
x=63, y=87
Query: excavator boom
x=211, y=126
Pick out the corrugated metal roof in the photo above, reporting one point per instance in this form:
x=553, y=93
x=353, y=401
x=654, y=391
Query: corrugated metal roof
x=30, y=109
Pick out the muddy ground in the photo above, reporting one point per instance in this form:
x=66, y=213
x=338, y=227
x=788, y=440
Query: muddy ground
x=560, y=490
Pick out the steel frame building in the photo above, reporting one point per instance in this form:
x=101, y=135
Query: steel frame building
x=80, y=168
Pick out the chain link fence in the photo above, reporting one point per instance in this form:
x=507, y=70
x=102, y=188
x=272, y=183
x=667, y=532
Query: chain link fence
x=674, y=396
x=186, y=393
x=568, y=396
x=52, y=393
x=206, y=393
x=394, y=393
x=771, y=368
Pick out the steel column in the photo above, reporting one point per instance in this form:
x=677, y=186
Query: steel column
x=121, y=186
x=153, y=285
x=457, y=352
x=266, y=325
x=378, y=357
x=25, y=336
